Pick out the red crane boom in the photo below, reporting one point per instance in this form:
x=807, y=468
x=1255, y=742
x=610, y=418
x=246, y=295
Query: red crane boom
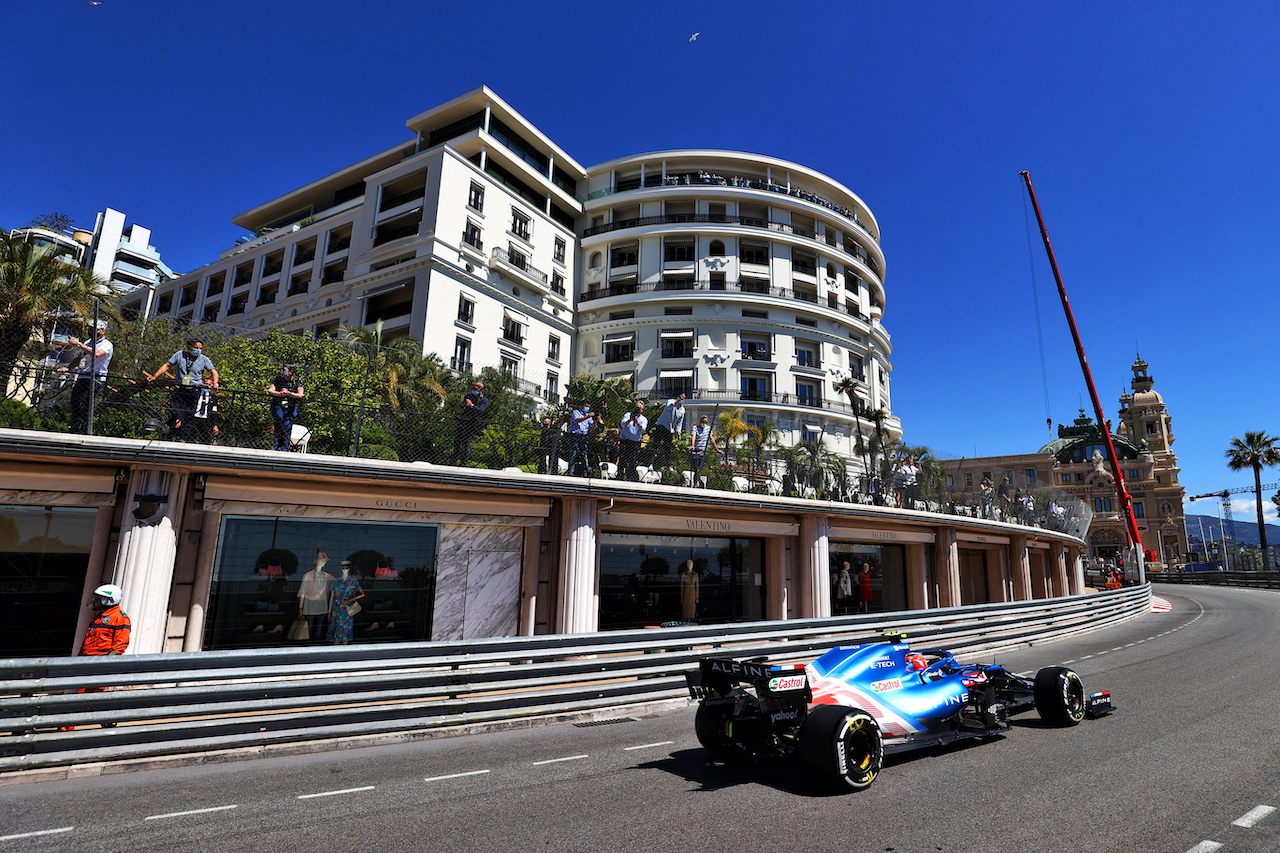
x=1122, y=491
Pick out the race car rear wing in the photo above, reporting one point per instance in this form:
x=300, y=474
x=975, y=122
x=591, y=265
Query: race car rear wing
x=717, y=676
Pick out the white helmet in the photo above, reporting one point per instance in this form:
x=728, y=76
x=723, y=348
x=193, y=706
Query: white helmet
x=109, y=593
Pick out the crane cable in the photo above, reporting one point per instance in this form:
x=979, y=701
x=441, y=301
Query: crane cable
x=1035, y=300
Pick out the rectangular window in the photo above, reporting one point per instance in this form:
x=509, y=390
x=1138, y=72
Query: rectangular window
x=466, y=311
x=1133, y=473
x=510, y=366
x=475, y=198
x=472, y=236
x=758, y=388
x=805, y=321
x=553, y=387
x=557, y=283
x=1031, y=477
x=1102, y=504
x=807, y=354
x=758, y=255
x=677, y=343
x=520, y=224
x=620, y=347
x=461, y=361
x=807, y=394
x=512, y=331
x=624, y=256
x=264, y=572
x=553, y=348
x=621, y=315
x=677, y=312
x=968, y=480
x=558, y=255
x=756, y=349
x=755, y=315
x=1139, y=511
x=1066, y=478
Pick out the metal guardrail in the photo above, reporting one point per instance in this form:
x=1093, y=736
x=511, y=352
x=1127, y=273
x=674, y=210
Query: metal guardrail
x=190, y=702
x=1252, y=580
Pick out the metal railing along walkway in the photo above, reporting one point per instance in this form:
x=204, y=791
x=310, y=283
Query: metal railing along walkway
x=1252, y=580
x=148, y=705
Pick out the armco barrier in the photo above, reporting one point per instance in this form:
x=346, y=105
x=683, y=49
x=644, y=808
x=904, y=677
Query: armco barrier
x=174, y=703
x=1252, y=580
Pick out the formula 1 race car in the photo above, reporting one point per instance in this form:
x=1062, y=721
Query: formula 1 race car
x=843, y=712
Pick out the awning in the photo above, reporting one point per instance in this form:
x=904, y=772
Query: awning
x=675, y=334
x=626, y=338
x=630, y=377
x=675, y=374
x=813, y=428
x=369, y=294
x=515, y=316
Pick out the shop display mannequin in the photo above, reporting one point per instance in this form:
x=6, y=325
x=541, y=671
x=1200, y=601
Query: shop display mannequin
x=688, y=592
x=343, y=592
x=313, y=595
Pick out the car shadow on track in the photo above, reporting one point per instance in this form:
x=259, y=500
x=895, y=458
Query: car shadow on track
x=698, y=767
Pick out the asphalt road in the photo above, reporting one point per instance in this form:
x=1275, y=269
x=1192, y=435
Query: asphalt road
x=1188, y=761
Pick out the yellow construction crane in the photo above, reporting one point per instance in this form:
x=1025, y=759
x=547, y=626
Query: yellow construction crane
x=1228, y=523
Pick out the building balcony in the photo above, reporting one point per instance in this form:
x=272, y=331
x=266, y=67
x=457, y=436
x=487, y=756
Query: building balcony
x=704, y=179
x=518, y=263
x=472, y=240
x=761, y=288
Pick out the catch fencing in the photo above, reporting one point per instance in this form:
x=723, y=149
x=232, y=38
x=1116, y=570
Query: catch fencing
x=148, y=705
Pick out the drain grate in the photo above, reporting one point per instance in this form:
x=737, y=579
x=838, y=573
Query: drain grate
x=609, y=722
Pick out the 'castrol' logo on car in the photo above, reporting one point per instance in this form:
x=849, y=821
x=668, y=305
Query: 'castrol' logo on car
x=886, y=686
x=786, y=682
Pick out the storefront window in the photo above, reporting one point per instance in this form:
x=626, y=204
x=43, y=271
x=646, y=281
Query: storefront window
x=262, y=570
x=44, y=554
x=651, y=580
x=886, y=567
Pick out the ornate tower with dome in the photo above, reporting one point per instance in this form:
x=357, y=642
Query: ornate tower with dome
x=1145, y=420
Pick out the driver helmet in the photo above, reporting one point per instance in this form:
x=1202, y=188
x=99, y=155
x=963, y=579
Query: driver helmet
x=109, y=594
x=916, y=662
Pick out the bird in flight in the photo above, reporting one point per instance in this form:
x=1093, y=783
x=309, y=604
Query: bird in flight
x=691, y=38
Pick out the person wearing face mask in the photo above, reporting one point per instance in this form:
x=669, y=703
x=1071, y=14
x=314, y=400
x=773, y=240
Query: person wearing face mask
x=189, y=364
x=580, y=424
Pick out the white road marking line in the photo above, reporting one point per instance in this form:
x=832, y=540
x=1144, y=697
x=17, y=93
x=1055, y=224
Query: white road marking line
x=557, y=760
x=1128, y=645
x=647, y=745
x=334, y=793
x=1252, y=817
x=455, y=776
x=1205, y=847
x=1086, y=657
x=191, y=812
x=38, y=832
x=1116, y=649
x=1068, y=662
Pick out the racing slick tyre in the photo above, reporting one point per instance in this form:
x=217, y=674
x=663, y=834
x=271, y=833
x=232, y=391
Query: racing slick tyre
x=709, y=725
x=842, y=745
x=1059, y=695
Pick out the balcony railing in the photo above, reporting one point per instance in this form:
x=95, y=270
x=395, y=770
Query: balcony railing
x=304, y=257
x=744, y=183
x=747, y=286
x=458, y=365
x=272, y=269
x=520, y=262
x=339, y=244
x=472, y=239
x=266, y=299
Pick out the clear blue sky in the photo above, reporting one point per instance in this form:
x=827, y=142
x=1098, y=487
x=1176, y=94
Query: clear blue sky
x=1150, y=130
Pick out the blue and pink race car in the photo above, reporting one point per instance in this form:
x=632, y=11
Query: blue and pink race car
x=843, y=712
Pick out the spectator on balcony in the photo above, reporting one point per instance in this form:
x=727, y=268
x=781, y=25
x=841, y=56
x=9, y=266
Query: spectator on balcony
x=670, y=423
x=205, y=418
x=907, y=474
x=580, y=423
x=89, y=366
x=189, y=365
x=699, y=437
x=286, y=394
x=470, y=421
x=548, y=447
x=634, y=423
x=986, y=494
x=1006, y=499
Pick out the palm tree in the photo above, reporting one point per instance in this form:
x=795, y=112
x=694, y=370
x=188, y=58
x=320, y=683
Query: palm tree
x=1256, y=451
x=847, y=386
x=408, y=378
x=35, y=287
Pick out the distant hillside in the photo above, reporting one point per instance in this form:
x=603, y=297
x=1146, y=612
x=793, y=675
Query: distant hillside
x=1245, y=529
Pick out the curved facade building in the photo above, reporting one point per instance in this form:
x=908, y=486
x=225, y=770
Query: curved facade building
x=742, y=280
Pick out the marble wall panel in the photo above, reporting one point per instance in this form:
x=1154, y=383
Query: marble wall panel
x=477, y=582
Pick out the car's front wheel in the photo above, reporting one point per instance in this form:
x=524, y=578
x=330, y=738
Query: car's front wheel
x=842, y=745
x=1059, y=695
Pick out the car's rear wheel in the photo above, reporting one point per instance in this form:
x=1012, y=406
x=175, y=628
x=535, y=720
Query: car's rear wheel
x=842, y=745
x=710, y=724
x=1059, y=695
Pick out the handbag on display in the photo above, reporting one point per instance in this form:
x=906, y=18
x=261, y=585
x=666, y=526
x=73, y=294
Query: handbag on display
x=299, y=630
x=384, y=570
x=353, y=608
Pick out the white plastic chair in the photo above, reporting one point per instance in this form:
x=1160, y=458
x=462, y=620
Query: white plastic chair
x=649, y=475
x=562, y=467
x=608, y=471
x=741, y=484
x=299, y=437
x=774, y=487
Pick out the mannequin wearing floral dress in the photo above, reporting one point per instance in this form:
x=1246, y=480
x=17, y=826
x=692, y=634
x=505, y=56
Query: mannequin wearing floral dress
x=342, y=592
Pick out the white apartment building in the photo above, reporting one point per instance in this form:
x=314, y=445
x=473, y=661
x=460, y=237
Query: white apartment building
x=743, y=280
x=462, y=237
x=124, y=257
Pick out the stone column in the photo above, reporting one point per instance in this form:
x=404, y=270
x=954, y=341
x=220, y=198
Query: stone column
x=145, y=559
x=775, y=577
x=948, y=554
x=578, y=599
x=1020, y=566
x=193, y=638
x=529, y=581
x=815, y=567
x=1070, y=568
x=917, y=577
